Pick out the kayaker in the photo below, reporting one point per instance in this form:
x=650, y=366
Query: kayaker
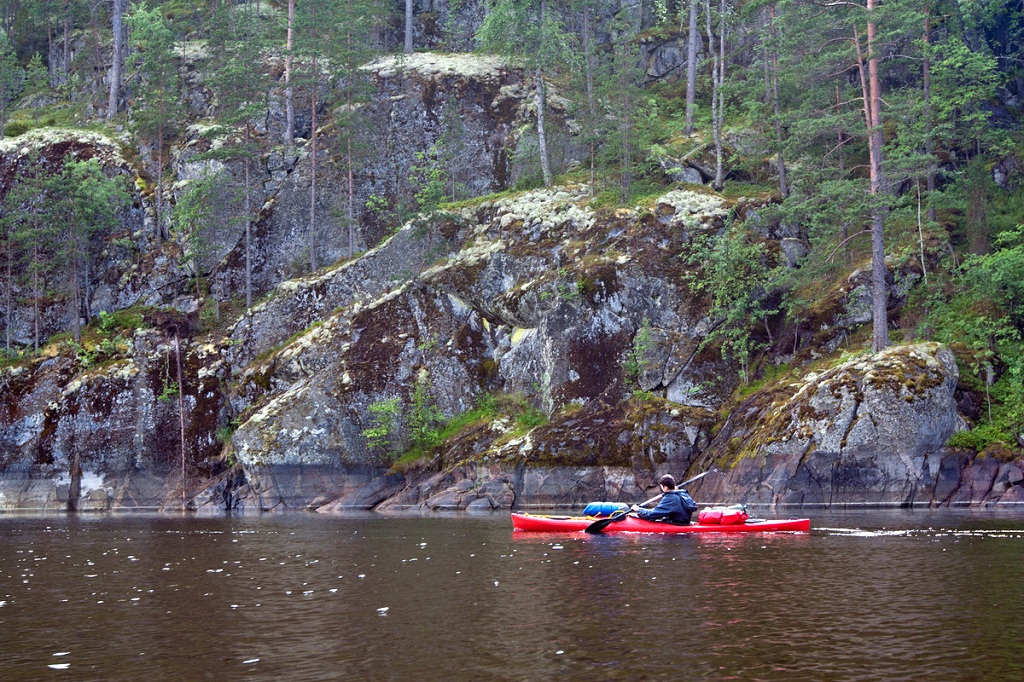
x=675, y=506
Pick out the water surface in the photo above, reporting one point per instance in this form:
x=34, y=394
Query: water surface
x=865, y=596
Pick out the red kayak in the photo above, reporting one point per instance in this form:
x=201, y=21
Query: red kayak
x=631, y=524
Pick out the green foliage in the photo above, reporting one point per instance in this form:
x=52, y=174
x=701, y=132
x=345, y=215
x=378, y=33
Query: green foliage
x=202, y=202
x=978, y=438
x=984, y=316
x=10, y=77
x=126, y=320
x=531, y=417
x=424, y=415
x=384, y=415
x=169, y=392
x=636, y=358
x=734, y=274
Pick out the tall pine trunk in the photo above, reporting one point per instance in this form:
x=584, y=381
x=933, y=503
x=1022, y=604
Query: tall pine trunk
x=117, y=23
x=408, y=26
x=181, y=416
x=9, y=292
x=542, y=140
x=312, y=173
x=247, y=208
x=783, y=184
x=691, y=69
x=289, y=92
x=349, y=160
x=871, y=92
x=717, y=97
x=37, y=293
x=76, y=294
x=588, y=51
x=160, y=176
x=928, y=140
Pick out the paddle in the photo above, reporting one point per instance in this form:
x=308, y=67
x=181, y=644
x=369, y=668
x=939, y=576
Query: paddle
x=597, y=527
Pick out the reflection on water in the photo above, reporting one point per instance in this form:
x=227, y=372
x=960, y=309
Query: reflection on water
x=866, y=595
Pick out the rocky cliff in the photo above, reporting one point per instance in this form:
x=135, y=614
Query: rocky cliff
x=575, y=324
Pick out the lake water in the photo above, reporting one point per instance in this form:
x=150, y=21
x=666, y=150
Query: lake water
x=869, y=595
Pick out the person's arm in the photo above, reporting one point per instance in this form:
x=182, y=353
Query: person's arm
x=663, y=510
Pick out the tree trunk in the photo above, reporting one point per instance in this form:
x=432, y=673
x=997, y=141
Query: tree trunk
x=159, y=178
x=542, y=140
x=349, y=160
x=76, y=297
x=75, y=474
x=9, y=291
x=928, y=140
x=542, y=103
x=871, y=90
x=783, y=184
x=37, y=293
x=181, y=416
x=97, y=64
x=691, y=69
x=312, y=175
x=717, y=73
x=588, y=51
x=289, y=93
x=246, y=207
x=67, y=38
x=117, y=22
x=408, y=26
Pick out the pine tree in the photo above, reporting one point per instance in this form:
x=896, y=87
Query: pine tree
x=531, y=34
x=31, y=237
x=624, y=121
x=82, y=202
x=160, y=109
x=338, y=33
x=238, y=39
x=10, y=78
x=117, y=61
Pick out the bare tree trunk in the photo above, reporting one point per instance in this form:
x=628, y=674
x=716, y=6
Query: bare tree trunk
x=181, y=416
x=717, y=72
x=783, y=184
x=312, y=175
x=408, y=26
x=75, y=474
x=97, y=64
x=76, y=305
x=159, y=178
x=691, y=69
x=542, y=140
x=588, y=51
x=9, y=291
x=247, y=207
x=839, y=134
x=36, y=284
x=349, y=160
x=67, y=39
x=289, y=93
x=115, y=68
x=928, y=140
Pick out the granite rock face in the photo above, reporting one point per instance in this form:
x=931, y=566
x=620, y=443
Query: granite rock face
x=871, y=430
x=110, y=437
x=584, y=314
x=116, y=279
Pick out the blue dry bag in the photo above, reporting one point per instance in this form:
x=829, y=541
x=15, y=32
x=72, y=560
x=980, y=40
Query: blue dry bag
x=603, y=509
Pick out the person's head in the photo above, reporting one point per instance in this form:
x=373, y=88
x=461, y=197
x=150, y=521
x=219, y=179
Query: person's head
x=667, y=482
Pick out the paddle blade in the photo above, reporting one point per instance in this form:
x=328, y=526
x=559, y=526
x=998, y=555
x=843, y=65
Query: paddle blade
x=597, y=527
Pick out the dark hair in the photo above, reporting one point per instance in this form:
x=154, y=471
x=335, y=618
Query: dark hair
x=667, y=481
